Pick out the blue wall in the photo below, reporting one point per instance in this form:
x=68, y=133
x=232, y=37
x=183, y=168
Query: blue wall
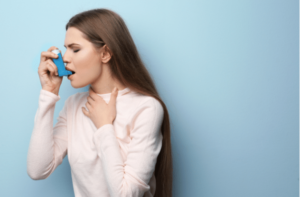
x=227, y=71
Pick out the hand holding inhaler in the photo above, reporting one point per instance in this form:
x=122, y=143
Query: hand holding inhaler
x=60, y=64
x=51, y=70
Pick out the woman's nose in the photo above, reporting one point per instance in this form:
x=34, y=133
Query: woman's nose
x=64, y=58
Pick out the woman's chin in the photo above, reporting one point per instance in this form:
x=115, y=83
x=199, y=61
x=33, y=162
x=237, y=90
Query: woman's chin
x=76, y=86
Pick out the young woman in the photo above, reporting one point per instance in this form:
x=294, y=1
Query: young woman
x=118, y=142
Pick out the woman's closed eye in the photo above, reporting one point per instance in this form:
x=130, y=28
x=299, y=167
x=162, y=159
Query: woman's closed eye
x=76, y=51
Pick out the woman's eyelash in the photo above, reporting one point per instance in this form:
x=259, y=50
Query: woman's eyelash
x=76, y=51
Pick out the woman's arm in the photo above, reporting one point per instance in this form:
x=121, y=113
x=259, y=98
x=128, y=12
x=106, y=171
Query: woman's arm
x=48, y=144
x=131, y=178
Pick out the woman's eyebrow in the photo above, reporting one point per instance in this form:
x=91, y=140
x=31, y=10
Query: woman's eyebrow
x=71, y=45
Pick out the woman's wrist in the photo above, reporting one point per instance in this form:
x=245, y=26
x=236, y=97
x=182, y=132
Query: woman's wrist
x=103, y=123
x=54, y=91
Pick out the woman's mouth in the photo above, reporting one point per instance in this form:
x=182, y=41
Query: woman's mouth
x=70, y=76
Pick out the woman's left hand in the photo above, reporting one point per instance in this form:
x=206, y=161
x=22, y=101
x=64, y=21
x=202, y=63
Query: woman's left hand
x=100, y=112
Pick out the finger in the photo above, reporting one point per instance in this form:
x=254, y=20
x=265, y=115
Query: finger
x=90, y=101
x=113, y=98
x=92, y=94
x=85, y=112
x=47, y=54
x=53, y=66
x=88, y=105
x=50, y=68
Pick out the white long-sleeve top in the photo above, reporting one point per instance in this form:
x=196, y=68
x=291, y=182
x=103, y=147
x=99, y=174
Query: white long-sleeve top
x=116, y=160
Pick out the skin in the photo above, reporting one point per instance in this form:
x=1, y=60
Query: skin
x=100, y=112
x=92, y=68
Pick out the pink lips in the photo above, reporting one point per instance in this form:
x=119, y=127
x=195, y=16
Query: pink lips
x=70, y=76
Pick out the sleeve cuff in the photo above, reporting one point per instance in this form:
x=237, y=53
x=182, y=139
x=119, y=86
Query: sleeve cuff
x=50, y=94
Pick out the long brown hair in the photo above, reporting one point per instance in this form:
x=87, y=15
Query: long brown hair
x=105, y=27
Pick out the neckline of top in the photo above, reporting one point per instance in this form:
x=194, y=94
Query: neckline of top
x=120, y=93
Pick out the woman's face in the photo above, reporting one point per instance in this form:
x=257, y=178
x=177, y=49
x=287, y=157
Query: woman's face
x=82, y=58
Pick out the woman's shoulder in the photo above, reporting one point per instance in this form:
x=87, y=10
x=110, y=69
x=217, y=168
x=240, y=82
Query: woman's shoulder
x=146, y=108
x=148, y=102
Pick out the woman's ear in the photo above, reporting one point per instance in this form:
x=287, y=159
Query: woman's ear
x=105, y=54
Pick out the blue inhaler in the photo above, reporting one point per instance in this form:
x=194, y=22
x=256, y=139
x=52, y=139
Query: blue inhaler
x=60, y=64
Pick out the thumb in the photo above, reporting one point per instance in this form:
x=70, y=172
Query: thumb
x=114, y=95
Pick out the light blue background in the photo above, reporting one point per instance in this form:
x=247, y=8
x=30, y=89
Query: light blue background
x=227, y=71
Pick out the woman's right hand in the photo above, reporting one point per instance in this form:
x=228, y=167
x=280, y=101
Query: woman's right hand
x=48, y=73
